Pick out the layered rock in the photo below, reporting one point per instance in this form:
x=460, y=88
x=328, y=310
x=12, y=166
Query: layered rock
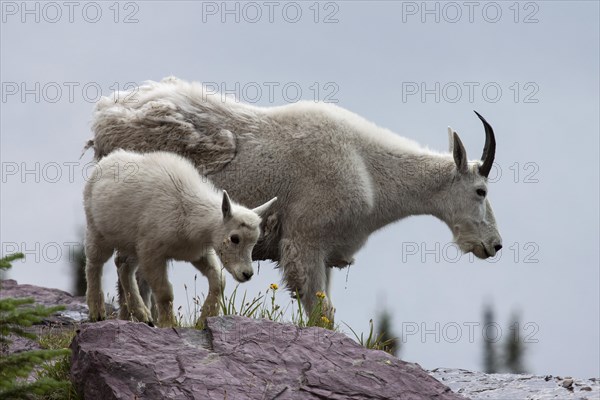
x=478, y=385
x=239, y=358
x=75, y=311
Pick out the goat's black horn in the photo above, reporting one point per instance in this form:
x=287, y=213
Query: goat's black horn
x=489, y=149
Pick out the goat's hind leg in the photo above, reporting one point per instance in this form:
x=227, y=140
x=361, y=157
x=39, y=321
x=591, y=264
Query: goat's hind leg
x=120, y=260
x=143, y=286
x=147, y=296
x=97, y=252
x=154, y=272
x=131, y=302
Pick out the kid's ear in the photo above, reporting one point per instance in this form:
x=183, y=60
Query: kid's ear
x=226, y=206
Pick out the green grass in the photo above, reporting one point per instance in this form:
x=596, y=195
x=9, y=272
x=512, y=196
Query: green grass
x=59, y=369
x=265, y=305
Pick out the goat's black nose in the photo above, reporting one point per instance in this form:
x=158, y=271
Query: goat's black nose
x=497, y=247
x=248, y=275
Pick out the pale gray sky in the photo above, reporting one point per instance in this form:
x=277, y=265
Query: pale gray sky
x=530, y=68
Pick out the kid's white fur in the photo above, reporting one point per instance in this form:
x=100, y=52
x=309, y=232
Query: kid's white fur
x=155, y=207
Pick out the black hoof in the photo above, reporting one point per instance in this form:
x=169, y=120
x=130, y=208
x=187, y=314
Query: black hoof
x=98, y=318
x=150, y=324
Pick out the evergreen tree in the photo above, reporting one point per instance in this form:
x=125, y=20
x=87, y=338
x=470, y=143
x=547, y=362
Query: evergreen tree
x=490, y=360
x=514, y=349
x=389, y=340
x=15, y=316
x=77, y=260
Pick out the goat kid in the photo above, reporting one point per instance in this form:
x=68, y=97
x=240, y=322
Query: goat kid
x=155, y=207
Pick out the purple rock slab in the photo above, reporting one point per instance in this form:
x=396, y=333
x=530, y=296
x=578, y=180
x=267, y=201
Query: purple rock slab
x=239, y=358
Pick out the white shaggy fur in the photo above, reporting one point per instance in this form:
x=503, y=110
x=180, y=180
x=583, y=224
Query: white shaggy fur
x=155, y=207
x=338, y=177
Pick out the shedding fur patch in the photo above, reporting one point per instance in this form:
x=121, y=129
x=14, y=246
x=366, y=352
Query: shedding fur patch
x=145, y=124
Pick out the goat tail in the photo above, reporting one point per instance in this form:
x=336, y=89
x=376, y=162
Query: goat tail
x=90, y=143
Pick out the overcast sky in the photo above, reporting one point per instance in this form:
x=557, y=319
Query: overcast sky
x=530, y=68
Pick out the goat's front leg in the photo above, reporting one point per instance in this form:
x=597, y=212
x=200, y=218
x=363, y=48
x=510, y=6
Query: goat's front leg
x=155, y=272
x=97, y=253
x=305, y=273
x=210, y=267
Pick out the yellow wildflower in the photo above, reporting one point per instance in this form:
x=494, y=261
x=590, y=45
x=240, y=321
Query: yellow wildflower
x=274, y=286
x=325, y=320
x=321, y=295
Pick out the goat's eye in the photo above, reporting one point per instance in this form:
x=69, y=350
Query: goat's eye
x=235, y=239
x=481, y=192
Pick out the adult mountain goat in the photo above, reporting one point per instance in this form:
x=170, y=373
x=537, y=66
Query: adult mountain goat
x=155, y=207
x=337, y=177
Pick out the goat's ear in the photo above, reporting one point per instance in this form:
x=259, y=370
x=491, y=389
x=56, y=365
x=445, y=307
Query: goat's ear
x=459, y=153
x=262, y=210
x=450, y=140
x=226, y=206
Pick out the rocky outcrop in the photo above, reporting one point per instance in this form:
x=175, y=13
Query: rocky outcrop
x=75, y=307
x=477, y=385
x=75, y=311
x=239, y=358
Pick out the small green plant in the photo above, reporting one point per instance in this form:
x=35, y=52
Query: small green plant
x=248, y=308
x=57, y=338
x=190, y=318
x=273, y=312
x=376, y=342
x=16, y=315
x=317, y=316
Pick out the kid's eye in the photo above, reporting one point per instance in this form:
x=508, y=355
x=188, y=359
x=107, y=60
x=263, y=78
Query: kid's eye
x=235, y=239
x=481, y=192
